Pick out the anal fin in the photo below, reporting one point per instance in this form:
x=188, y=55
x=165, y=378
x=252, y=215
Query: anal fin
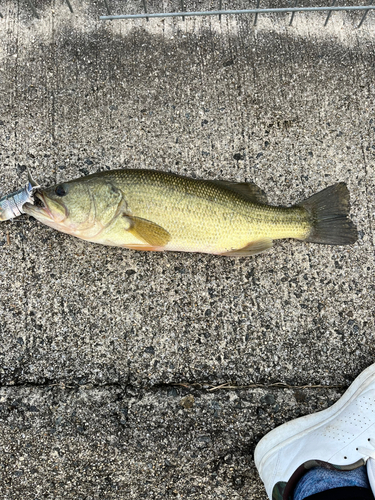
x=252, y=248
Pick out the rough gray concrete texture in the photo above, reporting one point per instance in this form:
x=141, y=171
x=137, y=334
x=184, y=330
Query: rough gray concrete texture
x=95, y=340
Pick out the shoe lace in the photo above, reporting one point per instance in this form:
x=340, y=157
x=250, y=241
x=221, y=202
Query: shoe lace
x=367, y=452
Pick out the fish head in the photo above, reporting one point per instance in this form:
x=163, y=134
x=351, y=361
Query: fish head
x=67, y=207
x=82, y=207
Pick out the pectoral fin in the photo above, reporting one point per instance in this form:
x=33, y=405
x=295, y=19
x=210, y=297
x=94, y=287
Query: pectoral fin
x=151, y=233
x=252, y=248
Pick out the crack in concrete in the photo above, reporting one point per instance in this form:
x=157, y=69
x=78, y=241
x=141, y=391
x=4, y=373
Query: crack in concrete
x=196, y=386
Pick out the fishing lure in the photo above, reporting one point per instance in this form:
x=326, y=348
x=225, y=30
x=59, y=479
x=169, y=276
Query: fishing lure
x=11, y=205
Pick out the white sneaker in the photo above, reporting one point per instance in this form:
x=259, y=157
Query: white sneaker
x=341, y=437
x=371, y=473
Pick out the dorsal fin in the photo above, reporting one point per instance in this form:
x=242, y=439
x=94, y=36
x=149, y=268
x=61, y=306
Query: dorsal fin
x=247, y=189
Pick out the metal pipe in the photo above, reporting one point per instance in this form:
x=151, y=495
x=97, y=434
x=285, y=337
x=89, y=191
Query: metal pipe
x=363, y=18
x=70, y=7
x=236, y=12
x=33, y=9
x=107, y=7
x=293, y=13
x=329, y=13
x=183, y=9
x=145, y=8
x=256, y=15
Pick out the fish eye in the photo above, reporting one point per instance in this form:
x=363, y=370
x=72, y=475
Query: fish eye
x=60, y=190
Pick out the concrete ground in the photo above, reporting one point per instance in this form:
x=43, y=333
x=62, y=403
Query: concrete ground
x=138, y=375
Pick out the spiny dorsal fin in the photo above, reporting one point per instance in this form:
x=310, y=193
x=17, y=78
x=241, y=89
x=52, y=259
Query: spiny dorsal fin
x=252, y=248
x=247, y=189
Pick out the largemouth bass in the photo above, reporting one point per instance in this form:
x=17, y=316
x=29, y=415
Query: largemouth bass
x=152, y=210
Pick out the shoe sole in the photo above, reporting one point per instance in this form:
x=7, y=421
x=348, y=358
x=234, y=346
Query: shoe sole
x=293, y=430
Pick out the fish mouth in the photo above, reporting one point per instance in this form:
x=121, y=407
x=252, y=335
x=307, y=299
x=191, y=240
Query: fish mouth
x=39, y=208
x=42, y=204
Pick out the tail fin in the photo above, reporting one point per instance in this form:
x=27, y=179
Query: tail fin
x=329, y=210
